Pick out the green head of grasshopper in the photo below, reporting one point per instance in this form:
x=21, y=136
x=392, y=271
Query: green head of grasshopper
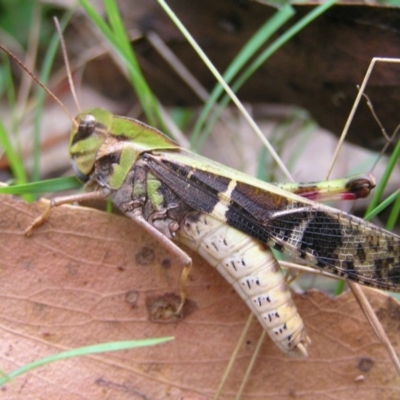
x=99, y=134
x=86, y=138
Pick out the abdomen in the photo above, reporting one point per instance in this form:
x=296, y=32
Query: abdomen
x=253, y=271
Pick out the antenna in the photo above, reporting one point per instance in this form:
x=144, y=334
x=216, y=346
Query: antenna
x=66, y=62
x=47, y=90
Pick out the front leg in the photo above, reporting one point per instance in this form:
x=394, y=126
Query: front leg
x=137, y=216
x=58, y=201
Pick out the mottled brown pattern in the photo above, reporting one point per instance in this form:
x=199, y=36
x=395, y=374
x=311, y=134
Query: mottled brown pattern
x=243, y=194
x=360, y=253
x=327, y=238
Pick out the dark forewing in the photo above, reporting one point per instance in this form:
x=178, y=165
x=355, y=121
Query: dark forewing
x=343, y=244
x=322, y=236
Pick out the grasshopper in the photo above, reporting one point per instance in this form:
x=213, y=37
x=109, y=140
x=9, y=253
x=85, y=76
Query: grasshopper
x=229, y=218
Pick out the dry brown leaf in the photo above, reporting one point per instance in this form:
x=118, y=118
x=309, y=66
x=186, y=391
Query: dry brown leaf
x=87, y=277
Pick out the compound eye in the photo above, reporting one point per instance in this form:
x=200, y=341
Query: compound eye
x=87, y=126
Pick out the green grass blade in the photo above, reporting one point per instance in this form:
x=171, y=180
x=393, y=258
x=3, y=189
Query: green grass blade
x=124, y=45
x=259, y=61
x=395, y=156
x=13, y=155
x=10, y=91
x=382, y=206
x=339, y=288
x=256, y=129
x=311, y=16
x=48, y=62
x=82, y=351
x=255, y=42
x=47, y=186
x=117, y=37
x=285, y=37
x=394, y=214
x=14, y=159
x=12, y=150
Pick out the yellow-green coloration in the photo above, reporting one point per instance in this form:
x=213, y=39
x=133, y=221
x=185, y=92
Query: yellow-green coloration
x=95, y=126
x=139, y=189
x=83, y=151
x=120, y=170
x=155, y=196
x=142, y=136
